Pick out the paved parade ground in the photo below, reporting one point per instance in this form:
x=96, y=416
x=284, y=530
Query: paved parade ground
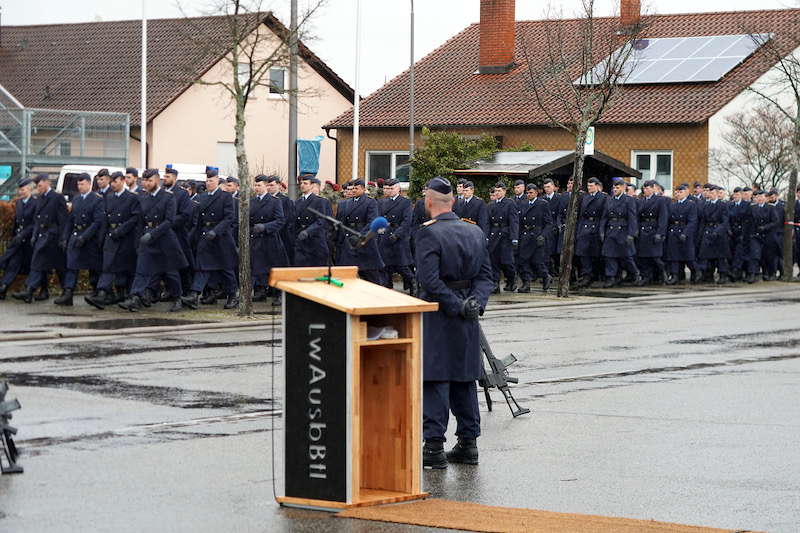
x=678, y=405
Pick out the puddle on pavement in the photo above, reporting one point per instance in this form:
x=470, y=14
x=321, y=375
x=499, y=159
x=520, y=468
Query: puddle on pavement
x=121, y=323
x=610, y=294
x=20, y=331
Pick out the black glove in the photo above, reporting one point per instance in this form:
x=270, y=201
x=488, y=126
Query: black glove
x=658, y=238
x=80, y=241
x=115, y=235
x=258, y=229
x=393, y=238
x=470, y=308
x=630, y=239
x=147, y=237
x=540, y=240
x=682, y=237
x=211, y=235
x=303, y=235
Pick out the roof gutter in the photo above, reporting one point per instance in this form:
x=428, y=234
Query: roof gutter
x=335, y=151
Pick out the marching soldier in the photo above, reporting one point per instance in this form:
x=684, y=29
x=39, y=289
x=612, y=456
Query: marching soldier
x=534, y=226
x=681, y=233
x=520, y=198
x=472, y=209
x=418, y=217
x=776, y=240
x=618, y=231
x=158, y=252
x=714, y=247
x=653, y=218
x=588, y=245
x=82, y=238
x=102, y=178
x=181, y=224
x=216, y=249
x=311, y=240
x=453, y=269
x=765, y=220
x=564, y=200
x=554, y=201
x=503, y=237
x=796, y=249
x=17, y=257
x=288, y=231
x=394, y=243
x=266, y=248
x=741, y=224
x=122, y=211
x=132, y=180
x=361, y=210
x=50, y=217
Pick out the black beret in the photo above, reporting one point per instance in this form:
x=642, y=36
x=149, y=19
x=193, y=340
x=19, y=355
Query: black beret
x=698, y=184
x=357, y=182
x=531, y=187
x=618, y=181
x=441, y=185
x=707, y=186
x=595, y=181
x=171, y=170
x=261, y=178
x=24, y=181
x=212, y=173
x=519, y=182
x=682, y=187
x=273, y=179
x=462, y=181
x=149, y=173
x=232, y=179
x=747, y=189
x=759, y=192
x=309, y=177
x=773, y=192
x=548, y=180
x=469, y=185
x=737, y=189
x=41, y=177
x=133, y=171
x=116, y=175
x=84, y=176
x=391, y=182
x=102, y=172
x=650, y=183
x=500, y=185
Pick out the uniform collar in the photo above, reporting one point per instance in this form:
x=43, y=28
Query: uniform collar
x=449, y=215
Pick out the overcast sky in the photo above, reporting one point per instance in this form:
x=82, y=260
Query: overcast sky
x=385, y=23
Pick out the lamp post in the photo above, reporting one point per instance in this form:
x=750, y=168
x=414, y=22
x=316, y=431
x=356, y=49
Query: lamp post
x=411, y=96
x=355, y=92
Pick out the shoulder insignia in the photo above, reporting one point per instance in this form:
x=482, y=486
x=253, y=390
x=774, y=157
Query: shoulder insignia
x=431, y=221
x=468, y=220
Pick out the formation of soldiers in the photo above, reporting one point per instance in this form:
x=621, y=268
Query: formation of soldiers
x=157, y=238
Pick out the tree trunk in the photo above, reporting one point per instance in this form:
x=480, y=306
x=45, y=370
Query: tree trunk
x=788, y=213
x=568, y=250
x=245, y=280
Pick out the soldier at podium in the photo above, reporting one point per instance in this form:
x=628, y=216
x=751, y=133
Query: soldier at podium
x=453, y=269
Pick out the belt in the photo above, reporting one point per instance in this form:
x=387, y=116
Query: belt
x=649, y=220
x=526, y=228
x=712, y=224
x=80, y=226
x=617, y=219
x=460, y=284
x=590, y=219
x=677, y=223
x=151, y=224
x=114, y=225
x=44, y=226
x=208, y=224
x=499, y=225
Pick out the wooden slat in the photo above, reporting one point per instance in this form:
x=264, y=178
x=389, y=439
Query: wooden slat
x=381, y=497
x=385, y=342
x=306, y=502
x=294, y=273
x=414, y=385
x=358, y=329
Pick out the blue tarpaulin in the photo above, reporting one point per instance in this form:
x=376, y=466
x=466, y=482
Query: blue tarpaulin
x=308, y=155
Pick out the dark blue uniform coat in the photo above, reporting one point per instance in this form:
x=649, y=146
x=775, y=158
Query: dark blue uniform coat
x=765, y=220
x=288, y=231
x=653, y=217
x=474, y=210
x=266, y=248
x=358, y=215
x=182, y=224
x=19, y=251
x=503, y=228
x=163, y=253
x=50, y=218
x=714, y=236
x=122, y=220
x=555, y=210
x=395, y=243
x=740, y=220
x=561, y=219
x=215, y=213
x=450, y=250
x=534, y=221
x=617, y=224
x=86, y=223
x=682, y=221
x=313, y=250
x=587, y=237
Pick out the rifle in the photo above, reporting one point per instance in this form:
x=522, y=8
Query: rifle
x=498, y=377
x=7, y=447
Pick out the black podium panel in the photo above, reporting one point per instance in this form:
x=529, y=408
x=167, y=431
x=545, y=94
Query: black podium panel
x=315, y=400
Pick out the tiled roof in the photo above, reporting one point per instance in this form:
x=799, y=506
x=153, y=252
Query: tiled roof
x=96, y=66
x=449, y=92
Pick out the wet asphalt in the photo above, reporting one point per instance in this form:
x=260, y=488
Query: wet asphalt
x=672, y=405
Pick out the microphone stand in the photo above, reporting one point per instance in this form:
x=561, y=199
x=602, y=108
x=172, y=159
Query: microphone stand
x=336, y=226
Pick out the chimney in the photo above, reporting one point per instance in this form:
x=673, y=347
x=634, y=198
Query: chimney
x=497, y=30
x=630, y=13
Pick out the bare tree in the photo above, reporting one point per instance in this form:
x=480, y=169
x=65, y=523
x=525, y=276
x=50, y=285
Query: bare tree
x=585, y=63
x=758, y=149
x=250, y=41
x=781, y=89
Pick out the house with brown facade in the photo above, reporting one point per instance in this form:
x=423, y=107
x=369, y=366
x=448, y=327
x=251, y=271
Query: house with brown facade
x=96, y=67
x=667, y=119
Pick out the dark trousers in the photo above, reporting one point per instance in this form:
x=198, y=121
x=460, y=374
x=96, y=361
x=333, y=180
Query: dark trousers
x=531, y=269
x=114, y=279
x=679, y=266
x=652, y=267
x=71, y=278
x=613, y=265
x=441, y=397
x=38, y=278
x=11, y=272
x=587, y=265
x=720, y=264
x=403, y=270
x=173, y=282
x=498, y=266
x=142, y=282
x=201, y=277
x=373, y=276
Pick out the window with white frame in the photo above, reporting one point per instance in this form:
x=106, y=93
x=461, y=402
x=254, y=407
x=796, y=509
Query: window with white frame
x=385, y=164
x=243, y=73
x=277, y=82
x=655, y=165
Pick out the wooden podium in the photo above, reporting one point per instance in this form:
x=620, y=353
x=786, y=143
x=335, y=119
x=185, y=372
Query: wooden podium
x=352, y=414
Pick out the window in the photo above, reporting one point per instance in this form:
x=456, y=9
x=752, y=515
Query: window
x=655, y=165
x=387, y=165
x=65, y=148
x=277, y=82
x=243, y=73
x=226, y=159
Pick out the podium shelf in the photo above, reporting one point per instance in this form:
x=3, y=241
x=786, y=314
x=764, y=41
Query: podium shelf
x=385, y=342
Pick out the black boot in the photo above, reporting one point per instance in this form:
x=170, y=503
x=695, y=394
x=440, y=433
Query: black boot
x=465, y=451
x=43, y=295
x=25, y=295
x=65, y=298
x=750, y=278
x=133, y=303
x=147, y=298
x=511, y=284
x=433, y=456
x=671, y=280
x=210, y=298
x=697, y=277
x=120, y=295
x=526, y=286
x=191, y=300
x=260, y=294
x=176, y=306
x=277, y=298
x=723, y=279
x=609, y=282
x=496, y=289
x=3, y=290
x=639, y=281
x=232, y=301
x=546, y=282
x=100, y=301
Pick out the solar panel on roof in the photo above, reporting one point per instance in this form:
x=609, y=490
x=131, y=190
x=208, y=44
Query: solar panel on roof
x=681, y=59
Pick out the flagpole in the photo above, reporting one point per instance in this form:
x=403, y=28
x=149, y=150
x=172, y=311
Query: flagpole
x=355, y=92
x=143, y=116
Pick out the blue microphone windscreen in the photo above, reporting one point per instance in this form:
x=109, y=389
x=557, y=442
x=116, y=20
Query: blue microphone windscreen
x=378, y=223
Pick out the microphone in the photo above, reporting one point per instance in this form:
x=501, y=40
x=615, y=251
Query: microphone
x=378, y=225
